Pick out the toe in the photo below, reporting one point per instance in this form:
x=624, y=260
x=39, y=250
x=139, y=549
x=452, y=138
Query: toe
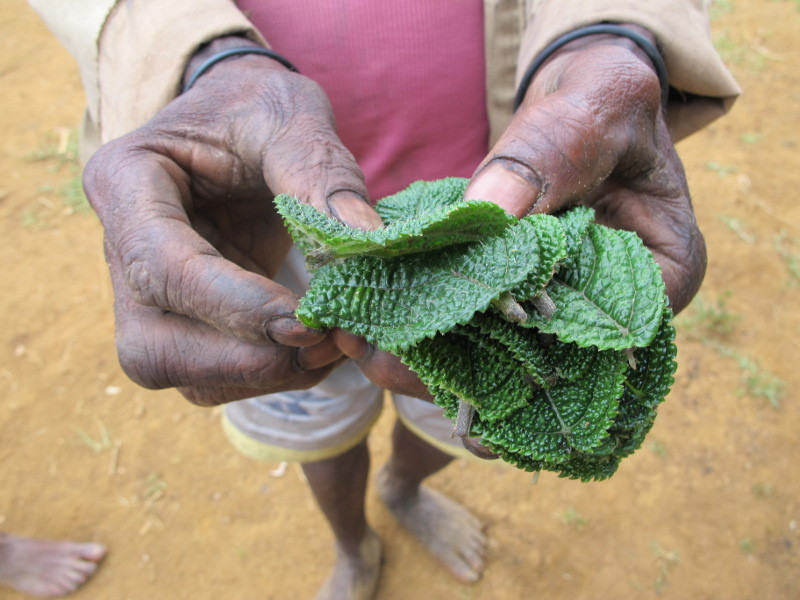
x=92, y=552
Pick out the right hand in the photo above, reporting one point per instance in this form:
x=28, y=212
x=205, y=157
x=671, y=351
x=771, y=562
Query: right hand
x=192, y=237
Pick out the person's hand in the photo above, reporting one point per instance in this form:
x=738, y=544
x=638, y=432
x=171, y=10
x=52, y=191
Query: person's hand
x=192, y=238
x=591, y=131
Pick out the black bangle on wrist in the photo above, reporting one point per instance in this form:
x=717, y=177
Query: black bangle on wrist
x=224, y=54
x=646, y=45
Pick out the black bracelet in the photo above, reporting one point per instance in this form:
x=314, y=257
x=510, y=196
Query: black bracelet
x=223, y=54
x=646, y=45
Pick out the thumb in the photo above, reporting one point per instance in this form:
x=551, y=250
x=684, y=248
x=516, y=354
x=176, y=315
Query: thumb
x=306, y=159
x=514, y=186
x=553, y=154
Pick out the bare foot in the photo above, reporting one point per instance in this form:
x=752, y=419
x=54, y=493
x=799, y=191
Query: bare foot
x=355, y=577
x=46, y=569
x=447, y=529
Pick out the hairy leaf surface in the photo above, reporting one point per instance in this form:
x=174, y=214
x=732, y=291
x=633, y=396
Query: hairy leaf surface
x=552, y=390
x=477, y=370
x=397, y=302
x=426, y=225
x=565, y=417
x=609, y=295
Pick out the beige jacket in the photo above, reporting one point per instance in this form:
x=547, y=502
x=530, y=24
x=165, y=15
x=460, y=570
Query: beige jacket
x=132, y=53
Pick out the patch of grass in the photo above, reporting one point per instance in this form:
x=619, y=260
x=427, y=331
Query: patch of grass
x=154, y=485
x=738, y=227
x=751, y=137
x=708, y=322
x=658, y=449
x=757, y=382
x=741, y=54
x=573, y=518
x=790, y=257
x=719, y=8
x=72, y=194
x=729, y=50
x=747, y=545
x=721, y=170
x=61, y=153
x=735, y=53
x=762, y=490
x=30, y=217
x=101, y=443
x=709, y=318
x=60, y=147
x=666, y=560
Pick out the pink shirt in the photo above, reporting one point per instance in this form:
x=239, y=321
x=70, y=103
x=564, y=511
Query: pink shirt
x=406, y=80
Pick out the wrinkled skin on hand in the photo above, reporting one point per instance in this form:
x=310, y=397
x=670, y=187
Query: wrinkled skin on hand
x=192, y=239
x=591, y=132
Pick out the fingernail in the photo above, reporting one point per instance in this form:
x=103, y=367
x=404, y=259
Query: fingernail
x=353, y=209
x=289, y=331
x=508, y=183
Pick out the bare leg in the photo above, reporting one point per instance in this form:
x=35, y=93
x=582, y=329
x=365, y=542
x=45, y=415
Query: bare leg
x=339, y=485
x=46, y=569
x=447, y=529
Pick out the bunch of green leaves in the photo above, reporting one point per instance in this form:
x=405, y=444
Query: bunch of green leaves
x=551, y=334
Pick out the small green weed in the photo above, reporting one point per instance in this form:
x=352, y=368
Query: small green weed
x=709, y=318
x=762, y=490
x=60, y=147
x=61, y=152
x=758, y=382
x=738, y=54
x=666, y=560
x=154, y=485
x=707, y=322
x=658, y=449
x=730, y=50
x=101, y=443
x=747, y=545
x=738, y=227
x=790, y=257
x=719, y=8
x=573, y=518
x=751, y=137
x=721, y=170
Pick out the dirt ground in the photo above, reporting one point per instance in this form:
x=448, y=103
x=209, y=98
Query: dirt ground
x=709, y=508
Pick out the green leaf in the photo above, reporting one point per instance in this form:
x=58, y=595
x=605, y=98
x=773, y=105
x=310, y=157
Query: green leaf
x=645, y=388
x=397, y=302
x=425, y=225
x=521, y=342
x=575, y=223
x=610, y=295
x=477, y=370
x=552, y=390
x=421, y=197
x=550, y=248
x=566, y=417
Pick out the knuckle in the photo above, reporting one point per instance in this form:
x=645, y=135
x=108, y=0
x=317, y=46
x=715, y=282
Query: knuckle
x=139, y=267
x=139, y=362
x=270, y=370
